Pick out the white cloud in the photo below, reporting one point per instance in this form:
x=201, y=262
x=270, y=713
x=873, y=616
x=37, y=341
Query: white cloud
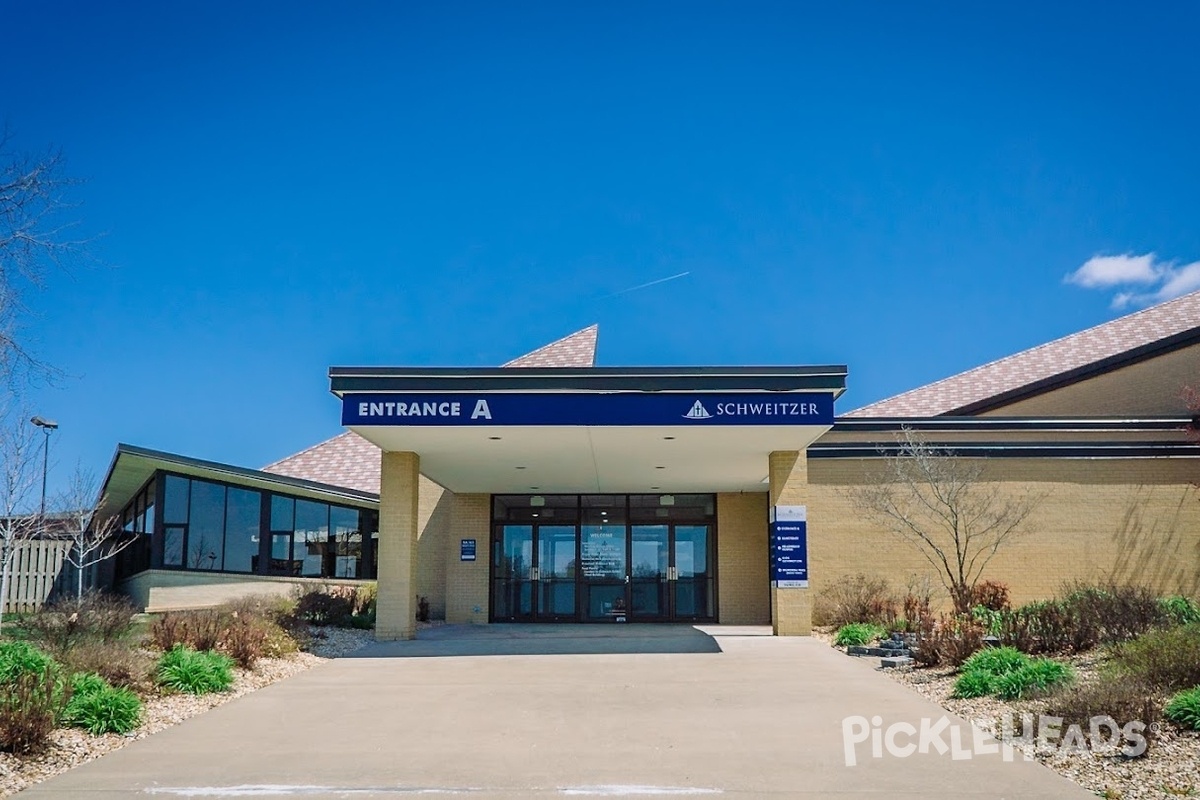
x=1156, y=281
x=1105, y=271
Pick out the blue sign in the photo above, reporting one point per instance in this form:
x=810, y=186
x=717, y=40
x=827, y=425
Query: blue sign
x=789, y=547
x=588, y=408
x=466, y=550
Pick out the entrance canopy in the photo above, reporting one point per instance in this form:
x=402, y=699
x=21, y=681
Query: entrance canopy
x=603, y=430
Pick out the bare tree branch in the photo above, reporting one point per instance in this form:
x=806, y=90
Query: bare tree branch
x=93, y=540
x=19, y=474
x=35, y=237
x=941, y=505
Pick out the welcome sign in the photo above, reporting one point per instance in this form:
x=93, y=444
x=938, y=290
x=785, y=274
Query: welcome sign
x=587, y=408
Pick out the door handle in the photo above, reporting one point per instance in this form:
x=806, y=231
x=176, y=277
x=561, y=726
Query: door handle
x=534, y=573
x=627, y=579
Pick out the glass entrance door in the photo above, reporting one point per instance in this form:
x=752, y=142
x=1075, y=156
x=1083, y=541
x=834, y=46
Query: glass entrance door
x=602, y=558
x=513, y=573
x=691, y=572
x=555, y=572
x=649, y=571
x=604, y=575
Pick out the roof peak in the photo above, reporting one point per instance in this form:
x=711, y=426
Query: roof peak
x=1066, y=354
x=577, y=349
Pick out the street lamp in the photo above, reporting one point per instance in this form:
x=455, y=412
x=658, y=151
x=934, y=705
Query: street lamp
x=47, y=425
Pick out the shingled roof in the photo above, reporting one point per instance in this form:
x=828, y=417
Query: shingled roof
x=351, y=461
x=1107, y=346
x=576, y=350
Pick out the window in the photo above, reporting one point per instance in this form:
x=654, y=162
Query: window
x=242, y=511
x=206, y=527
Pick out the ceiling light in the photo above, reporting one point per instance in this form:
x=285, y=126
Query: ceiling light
x=668, y=438
x=494, y=438
x=660, y=467
x=520, y=468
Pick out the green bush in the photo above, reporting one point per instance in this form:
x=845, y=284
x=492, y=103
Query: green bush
x=1180, y=610
x=1039, y=677
x=22, y=658
x=857, y=633
x=100, y=708
x=1167, y=659
x=974, y=683
x=996, y=661
x=195, y=672
x=1184, y=709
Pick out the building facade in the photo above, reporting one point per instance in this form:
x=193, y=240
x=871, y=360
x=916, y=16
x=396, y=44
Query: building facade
x=553, y=490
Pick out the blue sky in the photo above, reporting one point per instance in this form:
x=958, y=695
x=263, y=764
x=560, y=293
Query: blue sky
x=898, y=187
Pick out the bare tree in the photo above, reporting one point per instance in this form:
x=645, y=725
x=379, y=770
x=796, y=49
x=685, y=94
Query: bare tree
x=93, y=539
x=940, y=504
x=34, y=237
x=19, y=474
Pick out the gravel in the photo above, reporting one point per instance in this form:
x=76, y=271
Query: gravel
x=1171, y=769
x=71, y=747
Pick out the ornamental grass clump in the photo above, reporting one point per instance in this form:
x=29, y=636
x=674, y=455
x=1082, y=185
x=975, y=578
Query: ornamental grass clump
x=98, y=707
x=857, y=634
x=982, y=671
x=22, y=658
x=1184, y=709
x=1041, y=676
x=194, y=672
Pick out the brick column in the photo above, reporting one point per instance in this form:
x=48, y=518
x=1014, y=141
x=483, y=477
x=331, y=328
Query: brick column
x=791, y=609
x=398, y=531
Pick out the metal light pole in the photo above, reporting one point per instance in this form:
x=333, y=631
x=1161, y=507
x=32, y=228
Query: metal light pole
x=47, y=426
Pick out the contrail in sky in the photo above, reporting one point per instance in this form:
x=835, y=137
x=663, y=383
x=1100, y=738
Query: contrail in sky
x=645, y=285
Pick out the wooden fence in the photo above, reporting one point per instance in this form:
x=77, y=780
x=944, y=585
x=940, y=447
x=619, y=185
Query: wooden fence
x=41, y=572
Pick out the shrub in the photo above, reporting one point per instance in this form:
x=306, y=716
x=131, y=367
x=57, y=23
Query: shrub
x=21, y=658
x=948, y=641
x=199, y=630
x=1180, y=610
x=1116, y=612
x=194, y=672
x=362, y=622
x=1039, y=677
x=996, y=661
x=115, y=662
x=100, y=708
x=97, y=616
x=1184, y=709
x=1167, y=659
x=321, y=607
x=974, y=683
x=855, y=598
x=992, y=621
x=365, y=598
x=1112, y=696
x=30, y=705
x=992, y=595
x=857, y=633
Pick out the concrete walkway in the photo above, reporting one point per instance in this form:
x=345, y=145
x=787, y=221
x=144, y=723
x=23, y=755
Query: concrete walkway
x=587, y=711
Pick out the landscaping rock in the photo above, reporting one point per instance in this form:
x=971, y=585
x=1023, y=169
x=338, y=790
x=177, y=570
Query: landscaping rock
x=894, y=662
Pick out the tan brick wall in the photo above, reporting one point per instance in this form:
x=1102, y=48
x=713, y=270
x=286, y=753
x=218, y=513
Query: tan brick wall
x=467, y=581
x=399, y=492
x=433, y=517
x=173, y=590
x=1133, y=520
x=791, y=608
x=743, y=594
